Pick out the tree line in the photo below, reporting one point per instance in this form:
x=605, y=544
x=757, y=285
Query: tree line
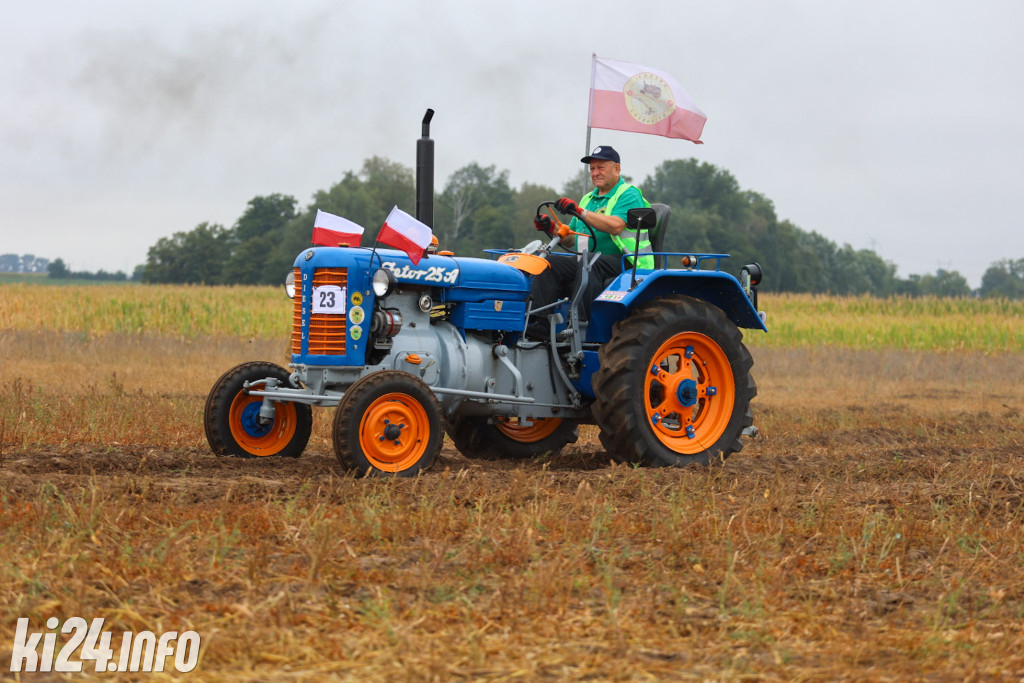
x=58, y=270
x=25, y=263
x=478, y=209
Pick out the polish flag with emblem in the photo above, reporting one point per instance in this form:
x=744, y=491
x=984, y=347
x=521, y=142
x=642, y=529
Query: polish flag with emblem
x=332, y=231
x=639, y=99
x=404, y=232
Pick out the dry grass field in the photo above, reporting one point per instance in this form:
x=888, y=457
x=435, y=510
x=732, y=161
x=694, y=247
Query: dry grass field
x=874, y=531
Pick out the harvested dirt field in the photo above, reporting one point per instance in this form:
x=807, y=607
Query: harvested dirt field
x=874, y=531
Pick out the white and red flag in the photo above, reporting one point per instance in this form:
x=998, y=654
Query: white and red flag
x=404, y=232
x=639, y=99
x=330, y=230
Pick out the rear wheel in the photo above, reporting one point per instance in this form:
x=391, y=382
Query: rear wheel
x=513, y=438
x=388, y=423
x=232, y=420
x=674, y=387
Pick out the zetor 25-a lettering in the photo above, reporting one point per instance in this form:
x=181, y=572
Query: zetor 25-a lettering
x=431, y=274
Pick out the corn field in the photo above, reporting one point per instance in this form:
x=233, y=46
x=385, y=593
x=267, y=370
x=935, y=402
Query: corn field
x=794, y=320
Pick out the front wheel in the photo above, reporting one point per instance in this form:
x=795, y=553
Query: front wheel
x=388, y=423
x=232, y=420
x=674, y=387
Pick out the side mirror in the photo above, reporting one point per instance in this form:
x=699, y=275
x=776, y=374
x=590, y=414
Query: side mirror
x=752, y=274
x=641, y=218
x=750, y=278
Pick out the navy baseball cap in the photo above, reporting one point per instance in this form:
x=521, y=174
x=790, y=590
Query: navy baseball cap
x=604, y=152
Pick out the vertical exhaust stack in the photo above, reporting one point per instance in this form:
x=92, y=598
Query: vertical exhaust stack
x=425, y=174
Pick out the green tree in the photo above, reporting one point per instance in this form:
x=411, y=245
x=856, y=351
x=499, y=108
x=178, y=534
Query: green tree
x=389, y=184
x=690, y=182
x=252, y=262
x=57, y=270
x=943, y=283
x=824, y=255
x=578, y=185
x=197, y=256
x=525, y=203
x=476, y=211
x=254, y=238
x=710, y=214
x=792, y=265
x=365, y=198
x=861, y=272
x=1004, y=279
x=264, y=215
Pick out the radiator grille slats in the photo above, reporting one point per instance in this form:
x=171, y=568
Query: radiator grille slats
x=327, y=331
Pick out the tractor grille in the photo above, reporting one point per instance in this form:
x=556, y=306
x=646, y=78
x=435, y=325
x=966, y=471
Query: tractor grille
x=327, y=331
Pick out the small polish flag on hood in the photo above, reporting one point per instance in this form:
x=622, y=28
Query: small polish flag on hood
x=404, y=232
x=641, y=99
x=330, y=230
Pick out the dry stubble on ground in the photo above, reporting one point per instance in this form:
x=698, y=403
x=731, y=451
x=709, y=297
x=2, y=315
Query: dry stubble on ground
x=873, y=532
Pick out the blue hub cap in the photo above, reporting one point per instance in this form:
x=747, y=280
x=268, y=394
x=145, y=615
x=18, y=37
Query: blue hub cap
x=251, y=420
x=687, y=393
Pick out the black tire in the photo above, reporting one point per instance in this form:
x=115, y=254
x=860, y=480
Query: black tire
x=475, y=437
x=377, y=405
x=674, y=386
x=230, y=417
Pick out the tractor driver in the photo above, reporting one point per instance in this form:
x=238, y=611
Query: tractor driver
x=604, y=209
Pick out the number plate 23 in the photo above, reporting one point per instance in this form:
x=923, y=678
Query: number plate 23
x=329, y=299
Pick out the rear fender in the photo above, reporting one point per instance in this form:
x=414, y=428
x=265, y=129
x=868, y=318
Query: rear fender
x=714, y=286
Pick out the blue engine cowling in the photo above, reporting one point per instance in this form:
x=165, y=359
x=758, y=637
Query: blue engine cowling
x=334, y=300
x=479, y=294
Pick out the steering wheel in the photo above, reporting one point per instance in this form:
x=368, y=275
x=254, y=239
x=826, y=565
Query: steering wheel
x=562, y=230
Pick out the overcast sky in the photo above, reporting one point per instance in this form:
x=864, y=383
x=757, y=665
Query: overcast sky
x=889, y=125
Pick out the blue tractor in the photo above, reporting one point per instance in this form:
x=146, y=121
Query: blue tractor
x=406, y=352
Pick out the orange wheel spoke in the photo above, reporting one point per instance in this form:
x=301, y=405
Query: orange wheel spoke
x=661, y=376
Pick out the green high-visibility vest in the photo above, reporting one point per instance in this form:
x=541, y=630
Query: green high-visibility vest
x=627, y=239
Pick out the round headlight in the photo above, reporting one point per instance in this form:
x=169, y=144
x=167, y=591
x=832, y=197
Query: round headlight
x=289, y=284
x=383, y=282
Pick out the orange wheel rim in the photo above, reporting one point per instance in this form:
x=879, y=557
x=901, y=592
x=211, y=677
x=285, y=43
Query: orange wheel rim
x=257, y=439
x=689, y=393
x=393, y=432
x=528, y=433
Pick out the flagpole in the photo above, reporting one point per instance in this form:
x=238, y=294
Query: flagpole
x=590, y=107
x=373, y=252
